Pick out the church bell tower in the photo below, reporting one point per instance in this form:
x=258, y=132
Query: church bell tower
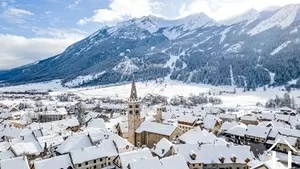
x=134, y=113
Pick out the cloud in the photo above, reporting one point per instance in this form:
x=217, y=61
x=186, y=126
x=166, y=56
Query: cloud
x=18, y=50
x=15, y=15
x=74, y=5
x=223, y=9
x=120, y=9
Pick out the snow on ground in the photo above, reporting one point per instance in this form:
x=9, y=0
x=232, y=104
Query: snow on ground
x=235, y=48
x=43, y=86
x=168, y=88
x=223, y=34
x=83, y=79
x=279, y=48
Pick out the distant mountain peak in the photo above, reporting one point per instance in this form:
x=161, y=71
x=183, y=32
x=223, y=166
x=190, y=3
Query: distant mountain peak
x=246, y=16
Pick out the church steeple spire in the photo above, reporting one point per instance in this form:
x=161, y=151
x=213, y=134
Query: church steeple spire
x=133, y=93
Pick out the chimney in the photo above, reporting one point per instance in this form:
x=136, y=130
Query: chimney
x=274, y=159
x=222, y=159
x=162, y=151
x=289, y=160
x=45, y=147
x=154, y=146
x=233, y=159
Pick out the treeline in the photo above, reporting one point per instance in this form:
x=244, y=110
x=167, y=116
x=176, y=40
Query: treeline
x=285, y=101
x=194, y=100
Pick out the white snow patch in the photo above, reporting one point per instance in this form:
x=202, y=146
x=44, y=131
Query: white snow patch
x=294, y=81
x=282, y=19
x=83, y=79
x=152, y=48
x=272, y=76
x=223, y=34
x=294, y=31
x=126, y=67
x=236, y=47
x=41, y=87
x=225, y=45
x=122, y=54
x=172, y=34
x=279, y=48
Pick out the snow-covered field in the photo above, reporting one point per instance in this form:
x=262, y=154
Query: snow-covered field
x=168, y=88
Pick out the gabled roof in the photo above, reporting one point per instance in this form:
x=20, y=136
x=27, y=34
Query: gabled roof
x=258, y=131
x=196, y=135
x=97, y=123
x=209, y=154
x=59, y=162
x=162, y=147
x=154, y=127
x=187, y=118
x=128, y=157
x=282, y=140
x=150, y=163
x=27, y=148
x=15, y=163
x=6, y=155
x=74, y=143
x=53, y=140
x=104, y=149
x=97, y=135
x=237, y=130
x=174, y=162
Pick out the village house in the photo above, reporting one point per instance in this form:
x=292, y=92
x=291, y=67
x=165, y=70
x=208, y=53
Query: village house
x=15, y=163
x=59, y=162
x=163, y=148
x=95, y=157
x=187, y=122
x=53, y=115
x=249, y=119
x=215, y=156
x=124, y=159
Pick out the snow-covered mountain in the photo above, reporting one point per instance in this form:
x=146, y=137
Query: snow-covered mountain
x=251, y=50
x=246, y=16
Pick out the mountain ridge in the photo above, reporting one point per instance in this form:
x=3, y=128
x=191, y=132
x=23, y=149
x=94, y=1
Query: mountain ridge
x=250, y=53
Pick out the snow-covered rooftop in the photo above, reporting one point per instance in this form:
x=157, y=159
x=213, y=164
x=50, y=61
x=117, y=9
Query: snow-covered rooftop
x=158, y=128
x=174, y=162
x=104, y=149
x=74, y=143
x=162, y=147
x=15, y=163
x=149, y=163
x=128, y=157
x=59, y=162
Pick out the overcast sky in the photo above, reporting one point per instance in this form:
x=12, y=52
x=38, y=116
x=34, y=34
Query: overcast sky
x=31, y=30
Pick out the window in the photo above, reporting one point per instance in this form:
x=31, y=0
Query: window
x=137, y=106
x=102, y=165
x=130, y=106
x=101, y=159
x=137, y=112
x=86, y=163
x=108, y=158
x=95, y=161
x=108, y=163
x=130, y=111
x=95, y=167
x=79, y=165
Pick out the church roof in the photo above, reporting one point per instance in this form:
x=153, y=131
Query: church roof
x=154, y=127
